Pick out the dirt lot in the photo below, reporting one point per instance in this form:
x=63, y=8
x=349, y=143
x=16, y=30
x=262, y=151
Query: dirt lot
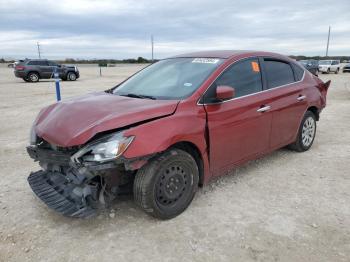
x=285, y=207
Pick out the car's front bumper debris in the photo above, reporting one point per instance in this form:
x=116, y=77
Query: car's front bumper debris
x=59, y=194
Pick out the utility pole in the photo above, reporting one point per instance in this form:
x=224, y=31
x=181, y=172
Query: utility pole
x=38, y=49
x=152, y=43
x=329, y=33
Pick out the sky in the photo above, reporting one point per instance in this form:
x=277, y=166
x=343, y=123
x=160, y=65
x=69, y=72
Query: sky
x=121, y=29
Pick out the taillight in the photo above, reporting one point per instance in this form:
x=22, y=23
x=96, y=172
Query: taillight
x=19, y=67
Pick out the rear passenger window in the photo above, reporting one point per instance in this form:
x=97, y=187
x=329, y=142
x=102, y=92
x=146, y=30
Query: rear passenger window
x=278, y=73
x=43, y=63
x=298, y=72
x=244, y=77
x=39, y=63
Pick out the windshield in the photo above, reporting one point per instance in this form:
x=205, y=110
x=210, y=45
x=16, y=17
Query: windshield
x=174, y=78
x=325, y=62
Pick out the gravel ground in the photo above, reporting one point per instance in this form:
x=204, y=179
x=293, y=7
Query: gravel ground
x=286, y=206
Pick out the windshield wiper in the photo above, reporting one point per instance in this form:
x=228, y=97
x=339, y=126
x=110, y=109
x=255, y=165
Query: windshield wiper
x=140, y=96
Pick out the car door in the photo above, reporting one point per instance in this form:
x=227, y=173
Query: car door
x=55, y=67
x=239, y=128
x=288, y=99
x=46, y=69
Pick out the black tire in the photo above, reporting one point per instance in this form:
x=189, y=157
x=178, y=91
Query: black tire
x=71, y=76
x=25, y=79
x=336, y=72
x=328, y=71
x=299, y=145
x=33, y=77
x=165, y=186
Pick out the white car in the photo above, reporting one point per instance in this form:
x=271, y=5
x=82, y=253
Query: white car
x=327, y=66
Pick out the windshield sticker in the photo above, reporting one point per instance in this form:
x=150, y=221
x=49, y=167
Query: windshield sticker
x=188, y=84
x=255, y=67
x=205, y=60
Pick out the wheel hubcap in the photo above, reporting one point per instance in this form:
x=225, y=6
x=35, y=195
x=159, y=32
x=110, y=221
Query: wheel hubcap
x=33, y=77
x=308, y=131
x=172, y=185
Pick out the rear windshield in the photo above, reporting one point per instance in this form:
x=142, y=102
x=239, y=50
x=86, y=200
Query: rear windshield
x=174, y=78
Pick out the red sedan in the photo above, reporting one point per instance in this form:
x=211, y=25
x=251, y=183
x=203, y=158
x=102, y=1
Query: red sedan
x=170, y=128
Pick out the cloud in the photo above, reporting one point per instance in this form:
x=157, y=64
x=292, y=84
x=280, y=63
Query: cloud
x=120, y=29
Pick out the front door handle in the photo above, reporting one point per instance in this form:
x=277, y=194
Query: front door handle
x=264, y=109
x=301, y=98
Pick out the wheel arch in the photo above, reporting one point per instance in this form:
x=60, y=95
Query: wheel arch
x=315, y=111
x=33, y=71
x=70, y=71
x=194, y=151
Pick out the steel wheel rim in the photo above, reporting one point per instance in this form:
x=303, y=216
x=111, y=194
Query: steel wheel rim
x=173, y=185
x=33, y=77
x=308, y=131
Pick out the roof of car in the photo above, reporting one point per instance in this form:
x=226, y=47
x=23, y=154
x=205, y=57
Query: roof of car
x=223, y=53
x=37, y=60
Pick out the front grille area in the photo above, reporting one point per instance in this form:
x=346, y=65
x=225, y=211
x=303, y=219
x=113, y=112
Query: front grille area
x=48, y=155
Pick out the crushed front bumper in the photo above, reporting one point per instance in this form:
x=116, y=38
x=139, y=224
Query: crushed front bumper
x=70, y=190
x=79, y=189
x=55, y=191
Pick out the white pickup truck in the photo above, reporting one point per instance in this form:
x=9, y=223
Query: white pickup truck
x=327, y=66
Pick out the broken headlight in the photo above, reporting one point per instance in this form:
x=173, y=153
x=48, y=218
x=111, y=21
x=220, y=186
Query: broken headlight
x=105, y=149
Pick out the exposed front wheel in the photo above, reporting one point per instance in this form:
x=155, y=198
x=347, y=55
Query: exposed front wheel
x=165, y=187
x=306, y=133
x=71, y=76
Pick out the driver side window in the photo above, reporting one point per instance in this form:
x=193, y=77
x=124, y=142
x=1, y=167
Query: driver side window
x=243, y=76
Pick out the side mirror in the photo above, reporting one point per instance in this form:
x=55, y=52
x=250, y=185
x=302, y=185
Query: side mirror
x=225, y=92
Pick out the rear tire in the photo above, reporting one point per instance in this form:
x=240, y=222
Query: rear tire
x=337, y=71
x=33, y=77
x=71, y=76
x=328, y=71
x=165, y=186
x=306, y=133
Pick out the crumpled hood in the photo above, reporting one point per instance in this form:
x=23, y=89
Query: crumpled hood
x=75, y=121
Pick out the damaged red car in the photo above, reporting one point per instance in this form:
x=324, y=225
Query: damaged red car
x=170, y=128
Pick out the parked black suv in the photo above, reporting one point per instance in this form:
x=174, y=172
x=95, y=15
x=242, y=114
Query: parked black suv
x=32, y=70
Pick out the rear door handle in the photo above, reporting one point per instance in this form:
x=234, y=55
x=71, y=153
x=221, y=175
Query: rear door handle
x=263, y=109
x=301, y=98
